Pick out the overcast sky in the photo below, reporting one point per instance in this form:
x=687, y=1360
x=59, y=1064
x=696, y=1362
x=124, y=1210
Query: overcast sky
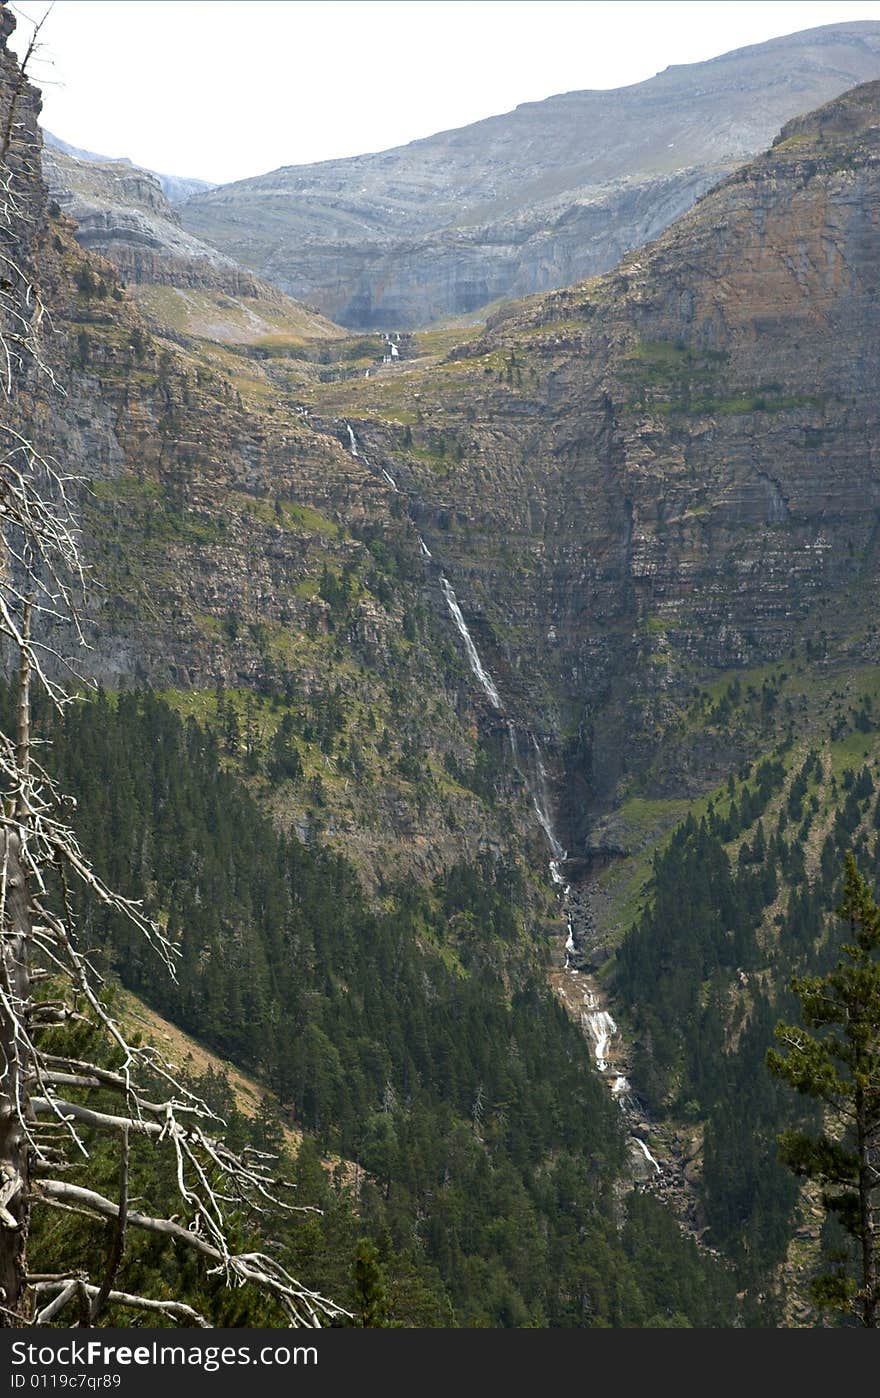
x=222, y=90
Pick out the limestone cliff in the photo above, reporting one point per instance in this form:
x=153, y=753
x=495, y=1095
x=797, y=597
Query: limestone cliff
x=632, y=485
x=668, y=471
x=241, y=560
x=533, y=199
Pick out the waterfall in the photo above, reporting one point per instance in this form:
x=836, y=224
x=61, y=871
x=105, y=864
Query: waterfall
x=599, y=1024
x=647, y=1154
x=356, y=452
x=484, y=679
x=542, y=811
x=569, y=939
x=601, y=1029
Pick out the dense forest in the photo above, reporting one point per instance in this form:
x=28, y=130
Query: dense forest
x=417, y=1040
x=733, y=913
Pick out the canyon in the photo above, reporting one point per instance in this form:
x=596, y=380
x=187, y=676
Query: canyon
x=541, y=587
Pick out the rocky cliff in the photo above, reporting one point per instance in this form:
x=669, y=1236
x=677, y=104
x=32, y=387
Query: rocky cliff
x=176, y=188
x=244, y=561
x=632, y=486
x=537, y=198
x=124, y=214
x=668, y=471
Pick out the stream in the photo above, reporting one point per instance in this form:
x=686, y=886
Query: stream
x=580, y=990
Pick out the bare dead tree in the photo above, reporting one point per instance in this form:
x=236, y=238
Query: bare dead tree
x=52, y=1104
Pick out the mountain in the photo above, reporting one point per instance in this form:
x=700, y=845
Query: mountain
x=597, y=576
x=657, y=495
x=123, y=210
x=176, y=188
x=123, y=213
x=665, y=472
x=534, y=199
x=312, y=809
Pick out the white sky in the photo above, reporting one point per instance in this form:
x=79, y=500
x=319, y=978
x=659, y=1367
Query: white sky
x=223, y=90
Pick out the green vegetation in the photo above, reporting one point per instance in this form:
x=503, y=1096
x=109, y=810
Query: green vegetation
x=841, y=1068
x=738, y=901
x=675, y=379
x=486, y=1150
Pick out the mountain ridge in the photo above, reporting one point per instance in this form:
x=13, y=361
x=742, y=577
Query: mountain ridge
x=535, y=198
x=176, y=188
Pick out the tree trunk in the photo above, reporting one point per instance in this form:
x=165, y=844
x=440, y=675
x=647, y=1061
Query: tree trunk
x=15, y=1162
x=867, y=1177
x=14, y=1085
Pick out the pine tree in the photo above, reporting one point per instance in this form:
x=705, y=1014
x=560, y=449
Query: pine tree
x=371, y=1303
x=841, y=1067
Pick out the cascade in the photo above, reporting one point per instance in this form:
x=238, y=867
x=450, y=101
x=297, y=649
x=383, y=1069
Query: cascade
x=601, y=1028
x=569, y=941
x=356, y=451
x=647, y=1154
x=598, y=1023
x=483, y=678
x=542, y=811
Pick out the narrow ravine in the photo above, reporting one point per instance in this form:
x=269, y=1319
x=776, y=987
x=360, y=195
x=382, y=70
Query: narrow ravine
x=581, y=992
x=577, y=987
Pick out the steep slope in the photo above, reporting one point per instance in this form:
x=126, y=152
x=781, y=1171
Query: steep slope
x=668, y=471
x=658, y=494
x=184, y=286
x=123, y=212
x=537, y=198
x=393, y=996
x=258, y=571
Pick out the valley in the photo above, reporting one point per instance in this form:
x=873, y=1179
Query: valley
x=483, y=694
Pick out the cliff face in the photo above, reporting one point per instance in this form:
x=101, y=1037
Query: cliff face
x=184, y=286
x=669, y=471
x=123, y=213
x=243, y=561
x=537, y=198
x=632, y=486
x=176, y=188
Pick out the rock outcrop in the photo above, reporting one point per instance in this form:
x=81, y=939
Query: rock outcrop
x=176, y=188
x=123, y=213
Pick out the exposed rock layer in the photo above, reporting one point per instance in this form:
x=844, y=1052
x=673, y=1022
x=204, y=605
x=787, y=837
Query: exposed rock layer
x=671, y=470
x=534, y=199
